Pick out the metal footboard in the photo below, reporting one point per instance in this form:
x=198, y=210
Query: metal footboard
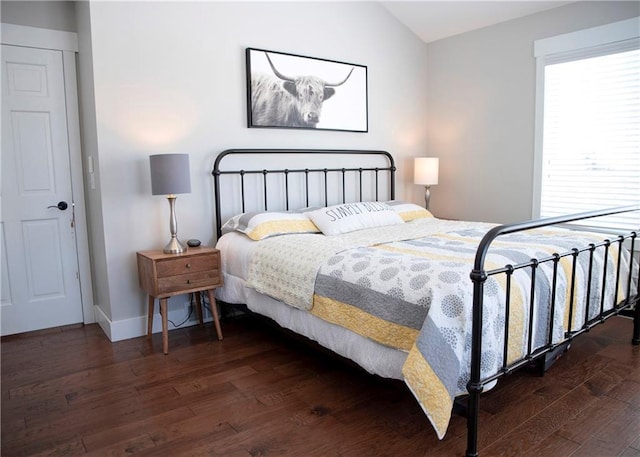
x=479, y=276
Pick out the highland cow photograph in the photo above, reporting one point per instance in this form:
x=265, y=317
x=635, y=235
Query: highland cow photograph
x=290, y=91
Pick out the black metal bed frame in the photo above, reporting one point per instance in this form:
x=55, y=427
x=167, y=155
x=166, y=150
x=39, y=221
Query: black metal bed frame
x=479, y=274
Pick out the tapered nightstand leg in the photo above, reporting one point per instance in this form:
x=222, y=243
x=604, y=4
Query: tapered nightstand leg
x=150, y=318
x=198, y=307
x=214, y=312
x=165, y=329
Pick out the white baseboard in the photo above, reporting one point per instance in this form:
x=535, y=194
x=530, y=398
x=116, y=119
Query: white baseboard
x=137, y=326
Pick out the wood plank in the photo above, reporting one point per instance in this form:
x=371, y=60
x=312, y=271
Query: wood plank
x=125, y=447
x=105, y=437
x=582, y=426
x=554, y=446
x=628, y=392
x=72, y=448
x=533, y=431
x=616, y=437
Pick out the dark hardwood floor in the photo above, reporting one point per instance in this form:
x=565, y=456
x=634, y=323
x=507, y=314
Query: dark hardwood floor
x=260, y=392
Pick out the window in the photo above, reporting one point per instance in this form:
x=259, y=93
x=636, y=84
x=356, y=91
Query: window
x=588, y=123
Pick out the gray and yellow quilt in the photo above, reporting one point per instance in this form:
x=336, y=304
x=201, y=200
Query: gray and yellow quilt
x=408, y=287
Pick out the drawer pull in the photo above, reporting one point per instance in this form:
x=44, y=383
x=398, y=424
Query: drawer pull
x=188, y=281
x=188, y=265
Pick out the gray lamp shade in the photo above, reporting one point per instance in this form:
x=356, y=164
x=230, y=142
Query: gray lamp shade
x=170, y=174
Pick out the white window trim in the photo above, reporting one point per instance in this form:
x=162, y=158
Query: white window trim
x=547, y=47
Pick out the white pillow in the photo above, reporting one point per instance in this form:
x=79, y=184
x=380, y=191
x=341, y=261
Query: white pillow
x=348, y=217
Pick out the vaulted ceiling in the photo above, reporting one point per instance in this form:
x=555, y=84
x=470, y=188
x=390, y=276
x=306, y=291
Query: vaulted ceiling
x=434, y=20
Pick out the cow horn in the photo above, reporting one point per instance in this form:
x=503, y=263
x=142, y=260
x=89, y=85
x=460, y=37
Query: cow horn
x=288, y=78
x=341, y=82
x=276, y=72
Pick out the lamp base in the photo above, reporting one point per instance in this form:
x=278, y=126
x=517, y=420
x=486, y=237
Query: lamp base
x=427, y=196
x=175, y=246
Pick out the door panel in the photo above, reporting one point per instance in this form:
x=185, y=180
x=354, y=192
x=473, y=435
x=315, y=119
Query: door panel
x=33, y=152
x=44, y=274
x=40, y=281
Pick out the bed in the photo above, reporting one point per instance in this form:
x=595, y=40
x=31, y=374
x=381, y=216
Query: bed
x=322, y=247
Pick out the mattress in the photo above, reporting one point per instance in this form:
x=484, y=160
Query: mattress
x=236, y=250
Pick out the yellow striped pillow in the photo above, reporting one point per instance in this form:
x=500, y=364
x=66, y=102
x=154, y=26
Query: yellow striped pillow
x=264, y=224
x=409, y=211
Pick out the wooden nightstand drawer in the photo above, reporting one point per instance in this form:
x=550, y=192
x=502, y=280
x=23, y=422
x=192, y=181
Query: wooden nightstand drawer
x=184, y=265
x=199, y=279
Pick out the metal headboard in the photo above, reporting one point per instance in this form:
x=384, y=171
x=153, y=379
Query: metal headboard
x=375, y=172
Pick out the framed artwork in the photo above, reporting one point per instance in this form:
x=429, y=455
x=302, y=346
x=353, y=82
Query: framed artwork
x=296, y=92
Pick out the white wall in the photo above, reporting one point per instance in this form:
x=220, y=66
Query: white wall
x=481, y=106
x=170, y=77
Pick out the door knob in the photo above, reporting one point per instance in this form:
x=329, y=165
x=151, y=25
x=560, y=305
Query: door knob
x=61, y=206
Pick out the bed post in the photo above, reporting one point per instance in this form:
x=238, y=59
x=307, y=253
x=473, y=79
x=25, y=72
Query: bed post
x=474, y=386
x=216, y=181
x=636, y=315
x=636, y=325
x=635, y=339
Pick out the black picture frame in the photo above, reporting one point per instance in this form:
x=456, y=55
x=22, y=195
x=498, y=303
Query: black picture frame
x=289, y=91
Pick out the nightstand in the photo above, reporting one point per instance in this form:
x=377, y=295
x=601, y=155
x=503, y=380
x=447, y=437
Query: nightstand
x=165, y=275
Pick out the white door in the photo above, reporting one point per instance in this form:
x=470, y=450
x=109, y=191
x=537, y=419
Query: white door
x=40, y=279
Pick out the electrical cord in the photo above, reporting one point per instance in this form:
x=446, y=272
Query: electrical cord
x=188, y=315
x=207, y=306
x=203, y=299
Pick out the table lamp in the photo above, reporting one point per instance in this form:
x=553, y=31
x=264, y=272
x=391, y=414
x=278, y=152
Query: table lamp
x=425, y=173
x=170, y=176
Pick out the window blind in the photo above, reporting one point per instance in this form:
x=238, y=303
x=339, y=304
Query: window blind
x=591, y=133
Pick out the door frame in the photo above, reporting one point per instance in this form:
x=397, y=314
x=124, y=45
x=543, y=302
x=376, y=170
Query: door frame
x=67, y=42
